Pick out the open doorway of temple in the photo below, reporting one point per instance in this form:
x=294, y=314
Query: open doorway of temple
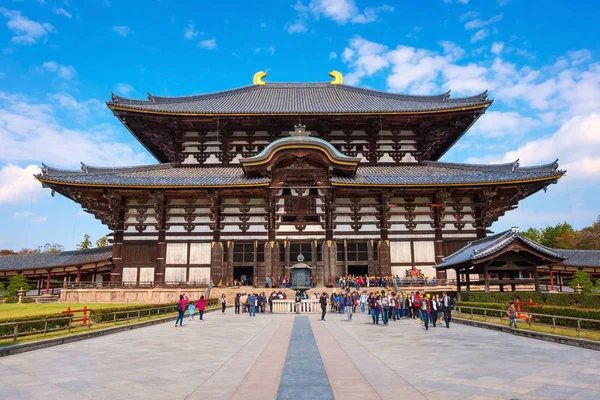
x=358, y=270
x=244, y=275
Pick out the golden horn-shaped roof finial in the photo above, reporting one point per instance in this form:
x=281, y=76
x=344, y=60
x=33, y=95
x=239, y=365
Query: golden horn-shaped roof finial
x=258, y=78
x=337, y=78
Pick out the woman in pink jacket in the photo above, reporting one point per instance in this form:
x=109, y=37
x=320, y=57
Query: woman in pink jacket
x=181, y=305
x=201, y=306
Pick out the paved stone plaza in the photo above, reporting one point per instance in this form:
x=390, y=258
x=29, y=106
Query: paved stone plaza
x=289, y=357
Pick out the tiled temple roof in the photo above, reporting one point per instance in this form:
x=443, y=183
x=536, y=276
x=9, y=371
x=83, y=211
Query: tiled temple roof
x=298, y=98
x=579, y=258
x=481, y=248
x=429, y=173
x=49, y=260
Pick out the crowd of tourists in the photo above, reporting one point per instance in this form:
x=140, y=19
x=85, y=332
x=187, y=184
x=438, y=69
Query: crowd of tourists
x=362, y=281
x=388, y=305
x=384, y=305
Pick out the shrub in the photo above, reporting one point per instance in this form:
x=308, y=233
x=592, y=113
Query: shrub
x=15, y=283
x=583, y=281
x=29, y=326
x=551, y=299
x=549, y=310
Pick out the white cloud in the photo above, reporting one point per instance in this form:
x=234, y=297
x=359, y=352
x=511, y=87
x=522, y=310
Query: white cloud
x=23, y=214
x=123, y=89
x=298, y=26
x=469, y=15
x=580, y=56
x=27, y=32
x=190, y=32
x=17, y=185
x=457, y=1
x=30, y=216
x=30, y=132
x=452, y=49
x=333, y=55
x=82, y=111
x=122, y=30
x=479, y=35
x=478, y=23
x=497, y=48
x=504, y=124
x=62, y=71
x=576, y=144
x=62, y=11
x=209, y=44
x=340, y=11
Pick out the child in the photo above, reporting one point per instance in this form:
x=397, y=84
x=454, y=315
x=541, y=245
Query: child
x=512, y=315
x=191, y=311
x=201, y=305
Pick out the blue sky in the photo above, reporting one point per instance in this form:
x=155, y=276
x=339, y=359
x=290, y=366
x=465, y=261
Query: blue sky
x=59, y=61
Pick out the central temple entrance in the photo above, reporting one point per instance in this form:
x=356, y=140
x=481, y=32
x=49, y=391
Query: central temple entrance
x=245, y=274
x=358, y=270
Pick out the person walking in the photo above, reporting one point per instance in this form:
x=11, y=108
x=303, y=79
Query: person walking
x=512, y=315
x=417, y=306
x=236, y=302
x=435, y=308
x=298, y=301
x=323, y=302
x=401, y=305
x=363, y=301
x=447, y=306
x=223, y=304
x=183, y=299
x=191, y=311
x=348, y=301
x=252, y=305
x=375, y=307
x=385, y=308
x=201, y=306
x=425, y=311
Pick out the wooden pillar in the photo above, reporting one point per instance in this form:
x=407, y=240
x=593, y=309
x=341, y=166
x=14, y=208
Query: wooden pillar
x=329, y=261
x=117, y=256
x=551, y=279
x=438, y=212
x=486, y=278
x=78, y=278
x=216, y=262
x=385, y=267
x=344, y=271
x=513, y=287
x=317, y=272
x=160, y=211
x=536, y=278
x=384, y=214
x=39, y=285
x=329, y=208
x=228, y=275
x=48, y=282
x=371, y=257
x=468, y=278
x=286, y=249
x=458, y=284
x=269, y=261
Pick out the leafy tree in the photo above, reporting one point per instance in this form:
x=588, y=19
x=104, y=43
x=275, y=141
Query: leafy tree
x=50, y=248
x=581, y=280
x=15, y=283
x=85, y=244
x=2, y=289
x=533, y=234
x=102, y=242
x=7, y=252
x=551, y=234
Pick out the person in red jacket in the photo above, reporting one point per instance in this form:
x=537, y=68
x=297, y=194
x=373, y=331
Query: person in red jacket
x=417, y=306
x=181, y=305
x=201, y=306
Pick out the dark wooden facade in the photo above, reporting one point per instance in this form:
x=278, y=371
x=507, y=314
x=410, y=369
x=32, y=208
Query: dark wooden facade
x=232, y=195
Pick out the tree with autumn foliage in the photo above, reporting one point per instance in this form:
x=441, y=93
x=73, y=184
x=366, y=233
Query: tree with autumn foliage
x=563, y=236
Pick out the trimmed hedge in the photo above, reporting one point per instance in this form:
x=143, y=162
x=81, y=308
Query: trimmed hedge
x=29, y=326
x=106, y=314
x=550, y=299
x=550, y=310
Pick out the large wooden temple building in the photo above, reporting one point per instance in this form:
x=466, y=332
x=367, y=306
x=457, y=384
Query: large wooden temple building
x=249, y=178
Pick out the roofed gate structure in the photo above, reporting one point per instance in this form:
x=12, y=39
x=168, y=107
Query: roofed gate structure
x=251, y=177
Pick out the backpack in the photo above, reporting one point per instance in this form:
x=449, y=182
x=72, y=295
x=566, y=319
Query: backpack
x=180, y=307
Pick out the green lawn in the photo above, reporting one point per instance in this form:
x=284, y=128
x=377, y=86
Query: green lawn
x=523, y=325
x=33, y=310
